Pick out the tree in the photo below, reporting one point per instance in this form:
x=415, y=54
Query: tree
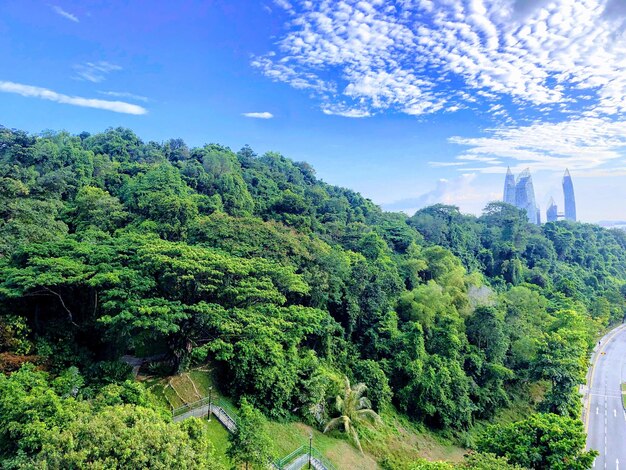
x=543, y=441
x=250, y=444
x=126, y=436
x=355, y=411
x=371, y=374
x=45, y=423
x=96, y=207
x=485, y=329
x=562, y=360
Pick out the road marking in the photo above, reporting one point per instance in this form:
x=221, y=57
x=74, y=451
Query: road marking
x=596, y=410
x=593, y=370
x=616, y=464
x=624, y=415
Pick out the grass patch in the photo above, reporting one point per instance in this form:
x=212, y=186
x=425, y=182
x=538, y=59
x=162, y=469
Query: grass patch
x=172, y=397
x=624, y=395
x=159, y=395
x=219, y=437
x=185, y=388
x=400, y=440
x=203, y=381
x=287, y=437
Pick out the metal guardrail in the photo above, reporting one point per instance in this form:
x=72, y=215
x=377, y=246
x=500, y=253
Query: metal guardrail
x=227, y=407
x=317, y=455
x=190, y=406
x=317, y=459
x=280, y=463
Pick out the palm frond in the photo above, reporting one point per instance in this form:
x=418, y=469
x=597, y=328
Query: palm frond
x=359, y=389
x=364, y=403
x=339, y=402
x=333, y=423
x=369, y=415
x=346, y=382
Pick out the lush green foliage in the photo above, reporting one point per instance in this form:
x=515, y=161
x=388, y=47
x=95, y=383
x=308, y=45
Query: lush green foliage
x=250, y=444
x=50, y=424
x=109, y=245
x=543, y=441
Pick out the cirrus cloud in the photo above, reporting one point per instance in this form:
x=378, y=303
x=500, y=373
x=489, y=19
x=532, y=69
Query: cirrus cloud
x=263, y=115
x=46, y=94
x=65, y=14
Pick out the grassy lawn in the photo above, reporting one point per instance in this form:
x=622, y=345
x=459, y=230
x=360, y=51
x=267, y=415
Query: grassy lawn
x=219, y=437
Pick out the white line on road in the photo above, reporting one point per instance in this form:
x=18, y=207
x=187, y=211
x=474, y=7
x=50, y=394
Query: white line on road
x=596, y=410
x=614, y=413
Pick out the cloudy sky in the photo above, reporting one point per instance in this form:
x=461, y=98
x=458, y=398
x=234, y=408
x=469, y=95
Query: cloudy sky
x=411, y=102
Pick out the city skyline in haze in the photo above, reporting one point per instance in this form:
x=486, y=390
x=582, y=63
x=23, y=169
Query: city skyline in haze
x=409, y=103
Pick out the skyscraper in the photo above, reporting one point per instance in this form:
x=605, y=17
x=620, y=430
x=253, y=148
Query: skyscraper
x=552, y=214
x=509, y=187
x=525, y=196
x=568, y=194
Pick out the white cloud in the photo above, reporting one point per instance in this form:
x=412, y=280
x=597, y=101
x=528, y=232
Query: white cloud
x=60, y=11
x=124, y=94
x=345, y=112
x=45, y=94
x=263, y=115
x=423, y=56
x=95, y=71
x=580, y=144
x=284, y=4
x=462, y=191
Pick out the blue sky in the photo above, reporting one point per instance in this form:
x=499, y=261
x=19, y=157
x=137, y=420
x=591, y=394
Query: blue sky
x=410, y=102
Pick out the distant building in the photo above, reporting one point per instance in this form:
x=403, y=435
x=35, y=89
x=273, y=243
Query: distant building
x=568, y=195
x=525, y=196
x=509, y=188
x=520, y=193
x=552, y=214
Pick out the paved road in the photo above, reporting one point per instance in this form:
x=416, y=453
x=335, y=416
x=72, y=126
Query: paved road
x=605, y=418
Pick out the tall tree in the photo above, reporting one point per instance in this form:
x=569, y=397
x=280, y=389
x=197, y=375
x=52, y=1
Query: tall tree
x=250, y=444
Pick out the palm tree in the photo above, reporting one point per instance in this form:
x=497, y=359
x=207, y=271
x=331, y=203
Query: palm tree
x=355, y=409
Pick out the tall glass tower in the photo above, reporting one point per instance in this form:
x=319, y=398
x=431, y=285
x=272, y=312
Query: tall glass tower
x=509, y=187
x=552, y=214
x=568, y=194
x=525, y=196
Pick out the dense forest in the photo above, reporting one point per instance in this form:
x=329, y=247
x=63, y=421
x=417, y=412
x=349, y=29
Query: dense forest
x=288, y=286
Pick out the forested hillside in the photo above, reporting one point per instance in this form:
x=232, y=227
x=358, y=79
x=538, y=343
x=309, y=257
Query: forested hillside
x=286, y=285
